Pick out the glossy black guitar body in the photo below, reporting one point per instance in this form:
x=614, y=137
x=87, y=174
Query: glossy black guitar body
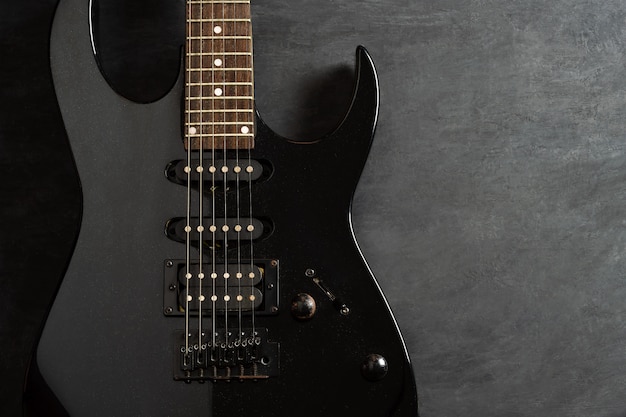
x=108, y=347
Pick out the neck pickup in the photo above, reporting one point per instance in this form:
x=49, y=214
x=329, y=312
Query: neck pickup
x=244, y=171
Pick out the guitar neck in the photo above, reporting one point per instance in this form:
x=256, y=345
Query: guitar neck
x=219, y=85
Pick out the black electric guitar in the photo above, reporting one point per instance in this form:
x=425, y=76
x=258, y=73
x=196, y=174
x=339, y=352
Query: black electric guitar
x=215, y=271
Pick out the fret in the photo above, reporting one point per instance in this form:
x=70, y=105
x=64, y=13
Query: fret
x=217, y=69
x=230, y=55
x=216, y=123
x=209, y=136
x=226, y=60
x=221, y=111
x=217, y=2
x=205, y=26
x=218, y=126
x=204, y=110
x=232, y=104
x=218, y=20
x=244, y=115
x=235, y=127
x=217, y=83
x=215, y=119
x=235, y=13
x=218, y=142
x=231, y=86
x=228, y=63
x=235, y=91
x=219, y=53
x=221, y=135
x=193, y=38
x=221, y=98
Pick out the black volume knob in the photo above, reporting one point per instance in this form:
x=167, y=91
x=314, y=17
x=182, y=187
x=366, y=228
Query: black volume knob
x=374, y=367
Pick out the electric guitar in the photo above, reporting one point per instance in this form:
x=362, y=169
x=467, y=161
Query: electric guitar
x=215, y=271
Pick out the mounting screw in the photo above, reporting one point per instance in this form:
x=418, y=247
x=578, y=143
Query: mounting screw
x=169, y=264
x=310, y=273
x=344, y=310
x=172, y=287
x=274, y=309
x=270, y=286
x=274, y=263
x=169, y=310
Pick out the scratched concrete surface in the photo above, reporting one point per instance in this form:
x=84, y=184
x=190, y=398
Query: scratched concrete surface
x=493, y=206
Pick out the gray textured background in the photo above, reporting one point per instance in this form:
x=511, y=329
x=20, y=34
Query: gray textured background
x=492, y=208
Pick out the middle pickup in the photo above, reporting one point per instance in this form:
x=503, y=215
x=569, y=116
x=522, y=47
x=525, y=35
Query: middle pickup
x=230, y=229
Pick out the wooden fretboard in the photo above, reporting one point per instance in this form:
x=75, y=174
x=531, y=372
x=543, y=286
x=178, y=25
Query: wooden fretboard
x=219, y=87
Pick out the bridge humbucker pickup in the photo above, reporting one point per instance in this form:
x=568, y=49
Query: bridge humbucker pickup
x=247, y=285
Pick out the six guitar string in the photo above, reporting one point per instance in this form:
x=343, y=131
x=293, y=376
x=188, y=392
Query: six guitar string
x=213, y=45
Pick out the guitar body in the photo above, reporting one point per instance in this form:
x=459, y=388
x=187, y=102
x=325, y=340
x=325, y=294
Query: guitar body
x=108, y=348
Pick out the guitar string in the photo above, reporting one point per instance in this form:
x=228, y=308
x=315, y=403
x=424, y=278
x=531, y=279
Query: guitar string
x=225, y=171
x=200, y=170
x=213, y=215
x=188, y=172
x=238, y=191
x=250, y=227
x=239, y=117
x=236, y=113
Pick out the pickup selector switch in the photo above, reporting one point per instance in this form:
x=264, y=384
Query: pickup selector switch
x=303, y=307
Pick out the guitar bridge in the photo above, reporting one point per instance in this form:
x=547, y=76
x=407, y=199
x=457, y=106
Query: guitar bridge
x=224, y=357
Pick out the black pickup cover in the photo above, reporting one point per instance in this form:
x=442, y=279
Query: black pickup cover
x=264, y=287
